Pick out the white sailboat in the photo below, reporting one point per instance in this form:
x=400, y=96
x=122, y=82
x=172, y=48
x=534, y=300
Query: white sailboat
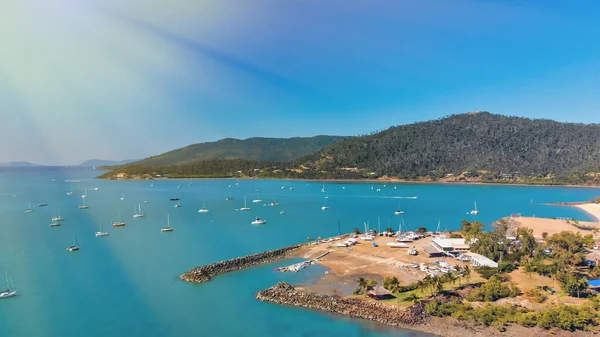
x=84, y=206
x=100, y=232
x=258, y=221
x=84, y=194
x=168, y=227
x=323, y=189
x=203, y=209
x=74, y=246
x=245, y=208
x=122, y=196
x=29, y=209
x=399, y=211
x=70, y=191
x=257, y=197
x=474, y=211
x=8, y=292
x=139, y=213
x=325, y=207
x=119, y=223
x=58, y=217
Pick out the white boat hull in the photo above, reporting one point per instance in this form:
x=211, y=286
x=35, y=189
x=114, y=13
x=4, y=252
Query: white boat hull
x=8, y=294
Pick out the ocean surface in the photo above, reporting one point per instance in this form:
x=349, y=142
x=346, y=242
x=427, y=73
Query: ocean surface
x=127, y=284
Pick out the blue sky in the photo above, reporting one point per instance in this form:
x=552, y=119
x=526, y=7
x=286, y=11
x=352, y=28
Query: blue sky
x=118, y=79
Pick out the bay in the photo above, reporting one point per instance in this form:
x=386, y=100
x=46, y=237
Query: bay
x=127, y=283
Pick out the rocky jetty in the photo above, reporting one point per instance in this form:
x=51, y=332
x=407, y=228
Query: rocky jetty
x=205, y=273
x=284, y=293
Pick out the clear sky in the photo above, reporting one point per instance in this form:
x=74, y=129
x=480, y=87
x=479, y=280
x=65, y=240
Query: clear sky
x=115, y=79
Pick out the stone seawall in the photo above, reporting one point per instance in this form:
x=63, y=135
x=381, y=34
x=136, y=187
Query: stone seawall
x=205, y=273
x=283, y=293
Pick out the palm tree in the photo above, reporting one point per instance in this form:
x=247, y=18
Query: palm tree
x=467, y=273
x=451, y=277
x=422, y=285
x=413, y=298
x=362, y=284
x=459, y=274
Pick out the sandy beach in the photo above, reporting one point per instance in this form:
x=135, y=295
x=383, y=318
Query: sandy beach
x=553, y=226
x=591, y=209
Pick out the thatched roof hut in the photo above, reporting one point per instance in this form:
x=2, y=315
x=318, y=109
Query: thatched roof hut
x=379, y=293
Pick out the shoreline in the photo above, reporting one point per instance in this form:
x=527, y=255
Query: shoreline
x=376, y=181
x=593, y=210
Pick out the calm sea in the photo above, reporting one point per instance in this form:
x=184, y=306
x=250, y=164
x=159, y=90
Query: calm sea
x=126, y=284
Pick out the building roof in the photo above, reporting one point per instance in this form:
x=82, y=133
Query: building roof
x=431, y=250
x=450, y=243
x=482, y=260
x=594, y=283
x=378, y=291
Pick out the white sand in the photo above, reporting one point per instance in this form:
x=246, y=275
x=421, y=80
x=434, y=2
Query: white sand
x=592, y=209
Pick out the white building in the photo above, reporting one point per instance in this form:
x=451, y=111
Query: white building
x=478, y=260
x=450, y=245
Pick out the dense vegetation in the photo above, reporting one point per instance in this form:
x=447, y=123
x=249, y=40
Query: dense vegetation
x=469, y=142
x=469, y=147
x=565, y=317
x=256, y=149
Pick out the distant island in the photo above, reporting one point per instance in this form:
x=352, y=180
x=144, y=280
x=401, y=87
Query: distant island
x=477, y=147
x=18, y=164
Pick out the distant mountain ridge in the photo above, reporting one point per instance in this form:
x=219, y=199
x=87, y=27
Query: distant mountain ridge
x=102, y=162
x=257, y=148
x=18, y=164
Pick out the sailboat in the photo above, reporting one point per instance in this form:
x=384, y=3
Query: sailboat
x=203, y=209
x=84, y=194
x=257, y=197
x=323, y=189
x=118, y=223
x=325, y=207
x=29, y=209
x=245, y=208
x=58, y=218
x=100, y=232
x=259, y=221
x=399, y=211
x=437, y=231
x=74, y=246
x=70, y=191
x=274, y=203
x=84, y=206
x=168, y=228
x=139, y=213
x=8, y=292
x=122, y=196
x=474, y=211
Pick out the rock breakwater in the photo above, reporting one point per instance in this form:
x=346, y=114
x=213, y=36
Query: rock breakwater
x=207, y=272
x=284, y=293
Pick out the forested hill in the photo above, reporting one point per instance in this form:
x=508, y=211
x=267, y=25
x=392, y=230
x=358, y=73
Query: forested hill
x=472, y=141
x=259, y=149
x=472, y=147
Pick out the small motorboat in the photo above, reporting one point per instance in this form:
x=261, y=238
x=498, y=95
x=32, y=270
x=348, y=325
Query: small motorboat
x=259, y=221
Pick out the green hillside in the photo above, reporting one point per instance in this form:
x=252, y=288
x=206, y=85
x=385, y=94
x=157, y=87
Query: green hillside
x=476, y=147
x=258, y=149
x=472, y=141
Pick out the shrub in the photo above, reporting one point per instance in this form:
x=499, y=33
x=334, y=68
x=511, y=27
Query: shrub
x=493, y=290
x=487, y=272
x=536, y=294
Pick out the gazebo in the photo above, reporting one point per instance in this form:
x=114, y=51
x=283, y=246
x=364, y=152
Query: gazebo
x=379, y=293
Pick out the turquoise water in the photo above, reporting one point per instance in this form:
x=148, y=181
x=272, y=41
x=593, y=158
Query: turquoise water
x=127, y=283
